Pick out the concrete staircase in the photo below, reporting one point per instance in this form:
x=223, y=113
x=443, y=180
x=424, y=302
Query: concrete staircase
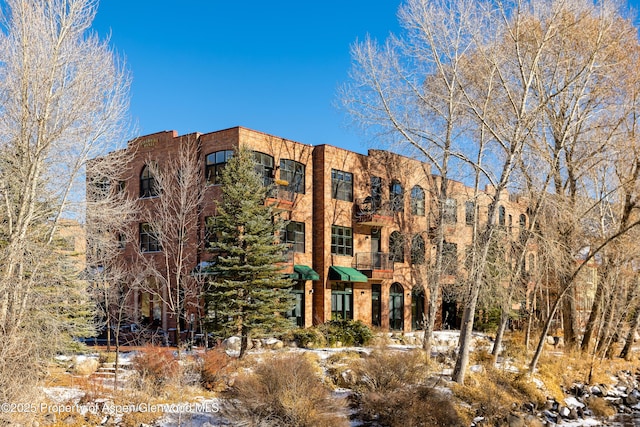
x=106, y=374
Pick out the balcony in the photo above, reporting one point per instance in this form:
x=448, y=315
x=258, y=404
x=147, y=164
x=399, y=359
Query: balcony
x=374, y=265
x=373, y=212
x=280, y=195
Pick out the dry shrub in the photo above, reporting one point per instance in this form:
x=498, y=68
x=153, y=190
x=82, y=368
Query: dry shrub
x=389, y=370
x=494, y=392
x=283, y=391
x=215, y=368
x=600, y=407
x=409, y=407
x=156, y=367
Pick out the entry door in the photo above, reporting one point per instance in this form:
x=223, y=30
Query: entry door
x=396, y=307
x=376, y=306
x=376, y=260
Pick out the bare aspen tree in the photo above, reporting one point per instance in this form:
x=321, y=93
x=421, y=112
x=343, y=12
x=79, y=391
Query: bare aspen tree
x=63, y=100
x=407, y=91
x=174, y=220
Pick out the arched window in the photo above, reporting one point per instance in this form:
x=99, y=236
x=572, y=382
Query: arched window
x=501, y=216
x=396, y=307
x=396, y=197
x=532, y=263
x=396, y=247
x=148, y=186
x=214, y=164
x=523, y=221
x=417, y=201
x=417, y=250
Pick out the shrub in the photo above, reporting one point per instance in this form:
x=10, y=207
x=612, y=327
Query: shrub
x=283, y=391
x=388, y=370
x=308, y=337
x=156, y=366
x=409, y=407
x=346, y=332
x=216, y=365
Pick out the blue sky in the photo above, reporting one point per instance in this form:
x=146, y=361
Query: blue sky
x=205, y=65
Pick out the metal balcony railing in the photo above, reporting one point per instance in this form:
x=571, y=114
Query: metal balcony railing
x=373, y=261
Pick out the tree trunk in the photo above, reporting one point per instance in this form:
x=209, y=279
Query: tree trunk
x=593, y=318
x=497, y=344
x=569, y=319
x=431, y=318
x=466, y=330
x=633, y=329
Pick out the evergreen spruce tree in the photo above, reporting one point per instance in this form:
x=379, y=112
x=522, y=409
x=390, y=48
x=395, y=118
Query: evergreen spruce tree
x=247, y=294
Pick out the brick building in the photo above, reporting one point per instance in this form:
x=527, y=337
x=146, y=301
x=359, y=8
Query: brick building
x=358, y=224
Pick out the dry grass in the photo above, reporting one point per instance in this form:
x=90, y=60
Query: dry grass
x=388, y=370
x=494, y=392
x=284, y=390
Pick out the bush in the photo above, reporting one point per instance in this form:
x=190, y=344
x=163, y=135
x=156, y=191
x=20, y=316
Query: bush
x=409, y=407
x=386, y=370
x=216, y=365
x=283, y=391
x=156, y=366
x=346, y=332
x=309, y=337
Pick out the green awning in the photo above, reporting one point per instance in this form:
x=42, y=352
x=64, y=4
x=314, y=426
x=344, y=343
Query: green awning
x=304, y=272
x=346, y=274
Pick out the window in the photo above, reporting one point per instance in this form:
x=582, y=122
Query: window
x=341, y=301
x=341, y=240
x=501, y=216
x=396, y=307
x=148, y=239
x=417, y=201
x=417, y=250
x=214, y=165
x=292, y=172
x=293, y=235
x=450, y=259
x=264, y=167
x=99, y=188
x=396, y=197
x=296, y=315
x=342, y=185
x=532, y=263
x=450, y=212
x=510, y=223
x=122, y=241
x=396, y=247
x=148, y=186
x=376, y=193
x=469, y=212
x=523, y=221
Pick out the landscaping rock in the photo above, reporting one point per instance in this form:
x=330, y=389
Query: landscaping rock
x=273, y=344
x=231, y=344
x=515, y=420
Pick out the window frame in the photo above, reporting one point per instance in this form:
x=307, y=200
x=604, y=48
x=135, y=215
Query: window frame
x=149, y=242
x=450, y=211
x=417, y=201
x=342, y=292
x=450, y=259
x=294, y=173
x=469, y=212
x=396, y=246
x=211, y=164
x=341, y=185
x=148, y=184
x=396, y=196
x=344, y=234
x=294, y=237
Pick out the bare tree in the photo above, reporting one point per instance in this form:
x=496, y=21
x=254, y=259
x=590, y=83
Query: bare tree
x=63, y=97
x=174, y=219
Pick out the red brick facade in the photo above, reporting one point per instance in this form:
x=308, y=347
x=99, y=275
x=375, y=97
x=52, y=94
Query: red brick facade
x=358, y=212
